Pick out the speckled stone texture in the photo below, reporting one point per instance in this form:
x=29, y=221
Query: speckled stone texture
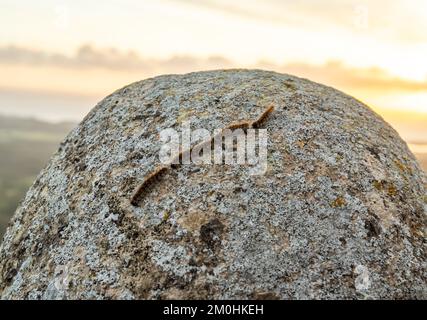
x=340, y=212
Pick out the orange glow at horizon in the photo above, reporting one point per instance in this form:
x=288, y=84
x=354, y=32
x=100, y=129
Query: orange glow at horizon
x=374, y=51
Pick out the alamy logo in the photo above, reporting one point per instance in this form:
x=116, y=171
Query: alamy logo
x=240, y=146
x=240, y=143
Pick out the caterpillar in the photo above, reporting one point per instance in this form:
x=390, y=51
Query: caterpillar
x=161, y=170
x=148, y=181
x=257, y=123
x=239, y=125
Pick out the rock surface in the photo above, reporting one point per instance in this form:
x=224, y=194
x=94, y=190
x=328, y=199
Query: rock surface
x=340, y=213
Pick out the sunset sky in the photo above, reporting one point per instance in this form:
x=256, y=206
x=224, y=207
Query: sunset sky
x=58, y=58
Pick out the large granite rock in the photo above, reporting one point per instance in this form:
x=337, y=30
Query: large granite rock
x=340, y=212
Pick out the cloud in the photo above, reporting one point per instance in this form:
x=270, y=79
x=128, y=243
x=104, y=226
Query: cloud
x=337, y=74
x=87, y=58
x=110, y=58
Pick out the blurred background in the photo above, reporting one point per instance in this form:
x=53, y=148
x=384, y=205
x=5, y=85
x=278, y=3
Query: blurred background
x=58, y=58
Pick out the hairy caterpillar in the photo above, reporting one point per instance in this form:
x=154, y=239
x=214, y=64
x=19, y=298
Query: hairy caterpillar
x=148, y=181
x=239, y=125
x=161, y=170
x=257, y=123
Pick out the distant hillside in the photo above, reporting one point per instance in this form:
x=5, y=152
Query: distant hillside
x=25, y=147
x=31, y=125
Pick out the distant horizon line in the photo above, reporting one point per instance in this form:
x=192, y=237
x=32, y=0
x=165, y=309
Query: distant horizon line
x=413, y=144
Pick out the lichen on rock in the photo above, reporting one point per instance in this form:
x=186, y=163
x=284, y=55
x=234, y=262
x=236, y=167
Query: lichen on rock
x=340, y=212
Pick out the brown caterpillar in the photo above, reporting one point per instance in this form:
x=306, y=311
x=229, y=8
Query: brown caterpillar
x=244, y=124
x=148, y=181
x=257, y=123
x=161, y=170
x=239, y=125
x=233, y=126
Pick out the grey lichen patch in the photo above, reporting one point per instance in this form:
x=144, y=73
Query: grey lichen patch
x=173, y=259
x=340, y=212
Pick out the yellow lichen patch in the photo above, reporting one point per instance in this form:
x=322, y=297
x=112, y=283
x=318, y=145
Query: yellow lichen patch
x=402, y=167
x=166, y=216
x=379, y=185
x=388, y=187
x=339, y=157
x=338, y=202
x=391, y=190
x=301, y=143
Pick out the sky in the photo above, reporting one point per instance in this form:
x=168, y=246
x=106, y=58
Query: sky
x=58, y=58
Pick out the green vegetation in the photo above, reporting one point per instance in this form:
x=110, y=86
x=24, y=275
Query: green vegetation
x=25, y=148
